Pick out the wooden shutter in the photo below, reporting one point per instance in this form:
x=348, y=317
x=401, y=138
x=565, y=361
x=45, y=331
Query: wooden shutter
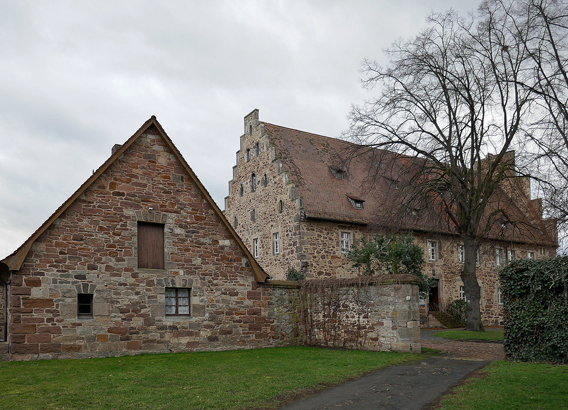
x=150, y=245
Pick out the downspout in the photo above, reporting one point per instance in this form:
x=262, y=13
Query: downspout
x=5, y=275
x=5, y=333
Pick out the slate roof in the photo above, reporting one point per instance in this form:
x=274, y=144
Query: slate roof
x=314, y=163
x=14, y=261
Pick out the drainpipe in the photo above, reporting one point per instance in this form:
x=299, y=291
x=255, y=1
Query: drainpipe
x=5, y=286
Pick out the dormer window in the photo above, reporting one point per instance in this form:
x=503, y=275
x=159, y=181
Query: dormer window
x=338, y=172
x=356, y=201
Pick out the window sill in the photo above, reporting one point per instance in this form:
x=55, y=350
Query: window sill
x=148, y=270
x=178, y=318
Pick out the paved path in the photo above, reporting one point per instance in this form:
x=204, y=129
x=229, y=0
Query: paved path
x=411, y=386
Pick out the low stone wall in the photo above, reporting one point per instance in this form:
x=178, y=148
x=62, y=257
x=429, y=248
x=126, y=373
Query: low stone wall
x=371, y=313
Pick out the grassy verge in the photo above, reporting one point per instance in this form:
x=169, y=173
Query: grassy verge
x=510, y=385
x=488, y=335
x=239, y=379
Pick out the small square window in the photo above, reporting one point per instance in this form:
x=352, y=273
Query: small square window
x=530, y=254
x=177, y=301
x=84, y=305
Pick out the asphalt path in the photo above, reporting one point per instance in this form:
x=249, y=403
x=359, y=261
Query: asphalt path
x=409, y=387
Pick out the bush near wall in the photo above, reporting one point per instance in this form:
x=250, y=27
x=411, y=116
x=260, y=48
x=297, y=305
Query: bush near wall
x=536, y=309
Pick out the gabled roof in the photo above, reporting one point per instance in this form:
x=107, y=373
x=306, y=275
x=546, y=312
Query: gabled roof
x=15, y=260
x=325, y=181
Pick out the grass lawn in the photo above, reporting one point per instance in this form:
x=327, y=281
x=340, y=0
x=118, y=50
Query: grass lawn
x=511, y=385
x=488, y=335
x=237, y=379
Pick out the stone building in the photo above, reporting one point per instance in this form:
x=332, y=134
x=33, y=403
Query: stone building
x=138, y=259
x=297, y=206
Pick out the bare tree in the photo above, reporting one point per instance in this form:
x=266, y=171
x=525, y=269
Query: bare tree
x=541, y=26
x=451, y=100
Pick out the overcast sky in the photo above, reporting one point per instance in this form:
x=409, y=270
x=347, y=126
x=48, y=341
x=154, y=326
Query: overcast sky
x=77, y=77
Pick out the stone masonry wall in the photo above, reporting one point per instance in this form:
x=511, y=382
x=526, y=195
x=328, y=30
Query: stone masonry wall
x=271, y=208
x=92, y=248
x=378, y=314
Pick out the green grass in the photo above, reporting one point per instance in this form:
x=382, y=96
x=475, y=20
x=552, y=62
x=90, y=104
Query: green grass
x=488, y=335
x=238, y=379
x=511, y=385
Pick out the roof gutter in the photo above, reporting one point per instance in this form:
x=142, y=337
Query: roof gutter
x=317, y=218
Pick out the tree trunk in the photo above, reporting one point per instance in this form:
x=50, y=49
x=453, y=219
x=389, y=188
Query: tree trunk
x=471, y=287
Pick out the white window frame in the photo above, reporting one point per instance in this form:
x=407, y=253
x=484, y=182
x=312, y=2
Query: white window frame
x=276, y=243
x=462, y=294
x=432, y=247
x=345, y=242
x=499, y=256
x=461, y=253
x=255, y=247
x=499, y=296
x=510, y=255
x=531, y=254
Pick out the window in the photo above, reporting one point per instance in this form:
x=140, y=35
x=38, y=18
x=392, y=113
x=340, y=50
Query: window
x=461, y=254
x=84, y=305
x=177, y=301
x=257, y=149
x=255, y=249
x=150, y=245
x=280, y=206
x=276, y=243
x=264, y=180
x=248, y=155
x=253, y=215
x=499, y=296
x=432, y=250
x=541, y=251
x=530, y=254
x=356, y=201
x=250, y=129
x=241, y=190
x=499, y=257
x=510, y=255
x=235, y=222
x=345, y=242
x=253, y=182
x=462, y=294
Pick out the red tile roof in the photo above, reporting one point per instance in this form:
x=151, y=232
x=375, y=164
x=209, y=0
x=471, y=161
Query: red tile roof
x=317, y=163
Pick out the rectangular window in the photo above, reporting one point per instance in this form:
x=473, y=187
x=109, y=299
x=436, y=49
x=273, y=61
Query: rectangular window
x=255, y=250
x=276, y=243
x=84, y=305
x=150, y=246
x=530, y=254
x=499, y=257
x=510, y=255
x=177, y=301
x=499, y=296
x=345, y=242
x=541, y=251
x=462, y=294
x=461, y=254
x=432, y=250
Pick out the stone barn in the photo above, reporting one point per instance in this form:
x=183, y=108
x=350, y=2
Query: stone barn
x=138, y=259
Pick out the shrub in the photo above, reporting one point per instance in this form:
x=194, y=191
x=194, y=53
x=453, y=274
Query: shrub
x=293, y=274
x=457, y=308
x=536, y=309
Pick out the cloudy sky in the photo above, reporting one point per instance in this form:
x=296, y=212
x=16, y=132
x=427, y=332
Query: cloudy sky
x=77, y=77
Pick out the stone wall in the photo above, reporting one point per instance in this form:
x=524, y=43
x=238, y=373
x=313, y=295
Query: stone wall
x=271, y=207
x=379, y=313
x=92, y=249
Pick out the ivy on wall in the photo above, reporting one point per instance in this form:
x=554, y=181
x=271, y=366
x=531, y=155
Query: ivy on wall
x=536, y=309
